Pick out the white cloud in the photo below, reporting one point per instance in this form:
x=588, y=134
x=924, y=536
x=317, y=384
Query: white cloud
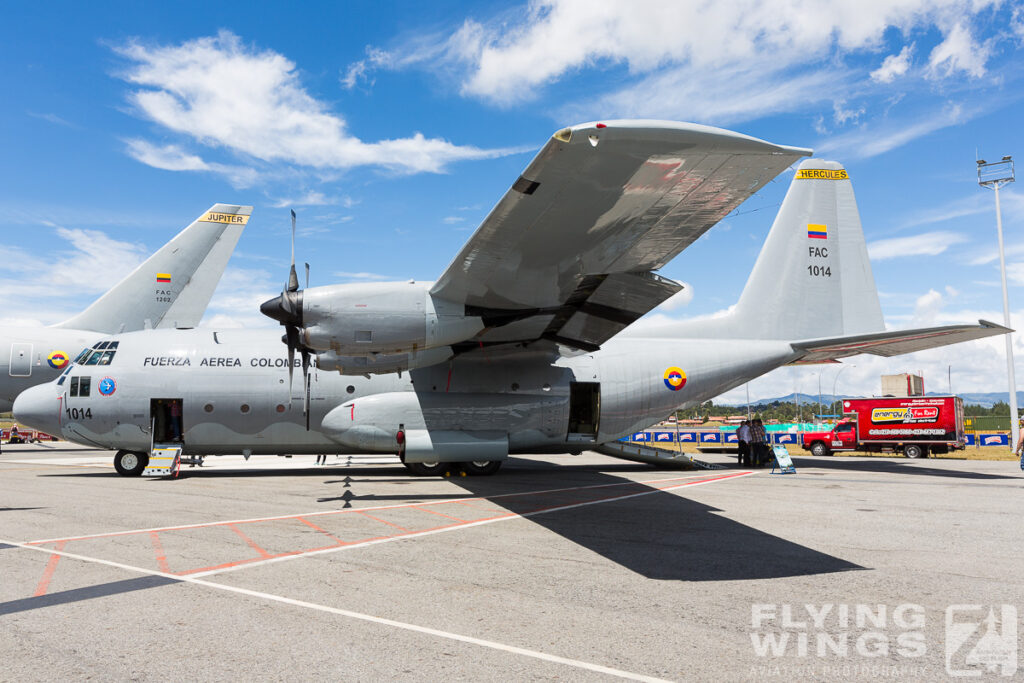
x=451, y=220
x=311, y=198
x=226, y=95
x=82, y=263
x=869, y=142
x=174, y=158
x=925, y=244
x=680, y=299
x=958, y=53
x=363, y=277
x=893, y=66
x=701, y=60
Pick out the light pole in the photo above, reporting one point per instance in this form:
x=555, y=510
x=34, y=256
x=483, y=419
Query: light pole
x=819, y=394
x=837, y=379
x=994, y=175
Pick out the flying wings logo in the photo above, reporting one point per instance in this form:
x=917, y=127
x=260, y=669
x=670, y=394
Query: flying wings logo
x=675, y=379
x=908, y=415
x=163, y=277
x=57, y=359
x=816, y=231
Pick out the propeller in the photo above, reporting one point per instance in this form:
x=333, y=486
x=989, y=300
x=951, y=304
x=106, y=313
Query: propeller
x=287, y=310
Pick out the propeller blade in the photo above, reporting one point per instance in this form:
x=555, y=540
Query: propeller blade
x=293, y=279
x=307, y=276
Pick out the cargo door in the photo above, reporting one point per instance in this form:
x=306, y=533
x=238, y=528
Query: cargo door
x=584, y=411
x=21, y=359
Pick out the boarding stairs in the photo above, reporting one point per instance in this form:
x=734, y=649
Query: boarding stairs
x=164, y=461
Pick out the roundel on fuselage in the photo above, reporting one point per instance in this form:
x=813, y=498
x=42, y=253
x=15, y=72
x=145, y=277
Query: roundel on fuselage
x=675, y=378
x=57, y=359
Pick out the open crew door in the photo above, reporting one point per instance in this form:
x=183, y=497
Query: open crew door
x=21, y=360
x=584, y=411
x=165, y=415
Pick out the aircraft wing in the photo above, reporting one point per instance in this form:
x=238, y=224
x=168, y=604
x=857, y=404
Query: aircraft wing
x=568, y=252
x=893, y=343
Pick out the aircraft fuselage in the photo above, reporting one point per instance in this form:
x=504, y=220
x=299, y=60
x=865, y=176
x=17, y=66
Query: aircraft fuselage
x=235, y=395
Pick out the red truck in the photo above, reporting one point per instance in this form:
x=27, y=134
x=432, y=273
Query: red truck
x=914, y=426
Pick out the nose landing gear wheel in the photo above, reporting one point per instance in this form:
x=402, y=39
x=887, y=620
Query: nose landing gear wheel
x=130, y=464
x=481, y=468
x=426, y=469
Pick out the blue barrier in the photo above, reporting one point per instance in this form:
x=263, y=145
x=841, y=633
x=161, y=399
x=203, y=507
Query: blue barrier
x=968, y=439
x=785, y=437
x=711, y=437
x=730, y=437
x=688, y=437
x=994, y=439
x=664, y=437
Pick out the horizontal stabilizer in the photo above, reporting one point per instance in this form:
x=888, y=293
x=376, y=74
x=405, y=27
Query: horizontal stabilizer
x=893, y=343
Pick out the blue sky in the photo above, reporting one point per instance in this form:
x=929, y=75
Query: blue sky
x=392, y=128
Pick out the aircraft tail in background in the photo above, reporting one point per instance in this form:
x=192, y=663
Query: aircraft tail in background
x=173, y=286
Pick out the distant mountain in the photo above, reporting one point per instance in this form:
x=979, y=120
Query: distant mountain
x=983, y=399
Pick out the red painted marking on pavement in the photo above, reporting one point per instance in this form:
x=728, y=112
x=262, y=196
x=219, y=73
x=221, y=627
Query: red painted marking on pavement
x=248, y=540
x=468, y=500
x=51, y=567
x=439, y=514
x=323, y=531
x=158, y=548
x=382, y=521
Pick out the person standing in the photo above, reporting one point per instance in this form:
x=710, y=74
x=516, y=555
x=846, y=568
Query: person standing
x=758, y=443
x=743, y=436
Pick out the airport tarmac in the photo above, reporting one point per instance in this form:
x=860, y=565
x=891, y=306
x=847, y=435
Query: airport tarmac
x=559, y=567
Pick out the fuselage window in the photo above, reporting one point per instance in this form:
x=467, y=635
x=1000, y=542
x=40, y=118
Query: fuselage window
x=80, y=386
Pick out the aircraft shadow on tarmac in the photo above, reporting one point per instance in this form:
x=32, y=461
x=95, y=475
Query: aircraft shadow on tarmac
x=660, y=535
x=903, y=467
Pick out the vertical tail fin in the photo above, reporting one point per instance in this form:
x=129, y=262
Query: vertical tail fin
x=813, y=278
x=173, y=286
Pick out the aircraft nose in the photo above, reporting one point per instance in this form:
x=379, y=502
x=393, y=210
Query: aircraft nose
x=39, y=408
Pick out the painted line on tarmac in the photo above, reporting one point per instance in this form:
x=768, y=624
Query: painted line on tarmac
x=336, y=511
x=247, y=564
x=135, y=584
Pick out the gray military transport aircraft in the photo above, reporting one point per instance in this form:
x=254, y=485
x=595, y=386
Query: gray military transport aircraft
x=516, y=347
x=170, y=289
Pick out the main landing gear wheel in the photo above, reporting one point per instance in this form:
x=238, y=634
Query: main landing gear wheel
x=914, y=451
x=819, y=449
x=481, y=468
x=129, y=463
x=427, y=469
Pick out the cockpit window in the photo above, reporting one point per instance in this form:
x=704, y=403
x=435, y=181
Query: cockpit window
x=81, y=356
x=104, y=356
x=101, y=345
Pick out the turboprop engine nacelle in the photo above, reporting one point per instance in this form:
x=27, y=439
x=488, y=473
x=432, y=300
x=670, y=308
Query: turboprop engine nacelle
x=382, y=364
x=382, y=318
x=371, y=423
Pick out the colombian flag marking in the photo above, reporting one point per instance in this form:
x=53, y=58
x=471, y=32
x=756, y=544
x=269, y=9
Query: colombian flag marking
x=675, y=379
x=163, y=277
x=57, y=359
x=817, y=232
